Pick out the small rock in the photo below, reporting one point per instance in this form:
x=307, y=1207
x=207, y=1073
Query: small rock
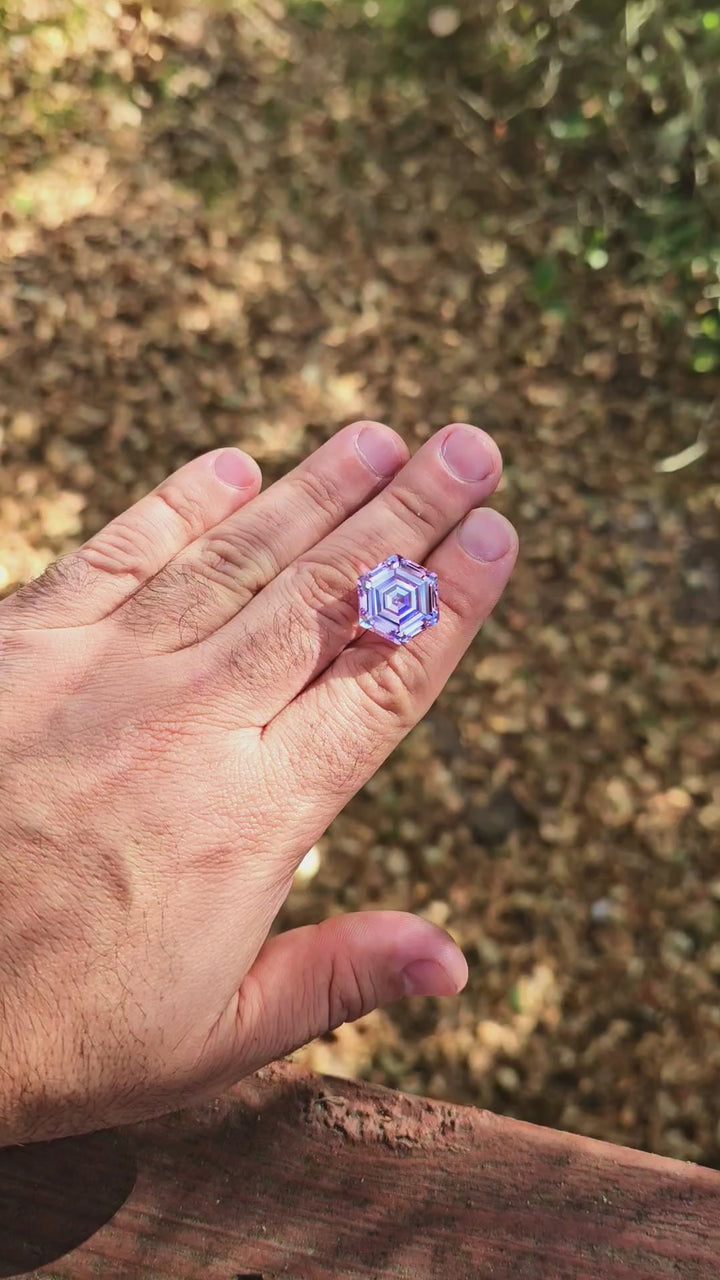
x=397, y=863
x=496, y=668
x=492, y=823
x=446, y=734
x=621, y=802
x=508, y=1079
x=309, y=866
x=60, y=516
x=561, y=829
x=437, y=912
x=24, y=427
x=62, y=456
x=546, y=395
x=709, y=817
x=444, y=21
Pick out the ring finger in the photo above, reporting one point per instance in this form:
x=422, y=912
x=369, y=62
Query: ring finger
x=340, y=729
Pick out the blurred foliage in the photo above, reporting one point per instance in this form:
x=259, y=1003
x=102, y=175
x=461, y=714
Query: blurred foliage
x=610, y=110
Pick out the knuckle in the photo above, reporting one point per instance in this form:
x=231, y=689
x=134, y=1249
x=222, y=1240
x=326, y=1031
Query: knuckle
x=322, y=490
x=424, y=514
x=242, y=657
x=232, y=558
x=323, y=587
x=293, y=638
x=250, y=1011
x=71, y=573
x=344, y=758
x=253, y=662
x=190, y=511
x=176, y=595
x=393, y=686
x=120, y=549
x=348, y=997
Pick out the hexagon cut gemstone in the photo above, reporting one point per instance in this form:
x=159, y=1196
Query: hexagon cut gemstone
x=397, y=599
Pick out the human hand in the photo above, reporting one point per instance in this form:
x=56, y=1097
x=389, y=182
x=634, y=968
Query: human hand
x=186, y=702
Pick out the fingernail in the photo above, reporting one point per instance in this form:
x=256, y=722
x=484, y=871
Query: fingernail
x=379, y=450
x=427, y=978
x=235, y=468
x=468, y=455
x=486, y=535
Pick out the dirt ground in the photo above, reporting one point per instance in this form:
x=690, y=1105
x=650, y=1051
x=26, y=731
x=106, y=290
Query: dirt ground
x=207, y=237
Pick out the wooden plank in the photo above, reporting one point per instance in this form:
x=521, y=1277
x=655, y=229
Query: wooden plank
x=315, y=1178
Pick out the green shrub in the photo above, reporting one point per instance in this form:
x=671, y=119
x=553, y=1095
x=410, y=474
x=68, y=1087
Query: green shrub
x=607, y=108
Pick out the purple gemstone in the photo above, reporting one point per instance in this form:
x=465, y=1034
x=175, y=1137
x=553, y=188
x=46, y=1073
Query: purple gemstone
x=397, y=599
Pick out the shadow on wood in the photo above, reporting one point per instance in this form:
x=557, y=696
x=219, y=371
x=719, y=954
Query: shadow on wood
x=55, y=1195
x=312, y=1178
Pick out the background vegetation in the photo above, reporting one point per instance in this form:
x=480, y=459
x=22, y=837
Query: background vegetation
x=252, y=222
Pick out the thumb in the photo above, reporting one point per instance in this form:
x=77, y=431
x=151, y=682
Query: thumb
x=310, y=980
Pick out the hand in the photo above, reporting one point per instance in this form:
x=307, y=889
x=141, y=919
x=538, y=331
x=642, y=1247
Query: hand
x=186, y=702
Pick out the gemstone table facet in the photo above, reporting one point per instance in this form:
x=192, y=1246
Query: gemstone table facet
x=398, y=599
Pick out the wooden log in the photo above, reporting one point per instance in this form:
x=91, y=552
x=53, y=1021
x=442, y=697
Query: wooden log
x=315, y=1178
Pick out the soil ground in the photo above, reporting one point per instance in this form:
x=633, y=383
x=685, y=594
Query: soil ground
x=210, y=234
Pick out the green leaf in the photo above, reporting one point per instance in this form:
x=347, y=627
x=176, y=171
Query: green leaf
x=571, y=128
x=22, y=202
x=513, y=999
x=705, y=362
x=557, y=308
x=710, y=326
x=544, y=277
x=597, y=258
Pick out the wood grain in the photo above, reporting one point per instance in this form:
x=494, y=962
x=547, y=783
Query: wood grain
x=322, y=1179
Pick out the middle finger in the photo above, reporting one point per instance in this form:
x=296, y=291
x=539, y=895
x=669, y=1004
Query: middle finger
x=302, y=620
